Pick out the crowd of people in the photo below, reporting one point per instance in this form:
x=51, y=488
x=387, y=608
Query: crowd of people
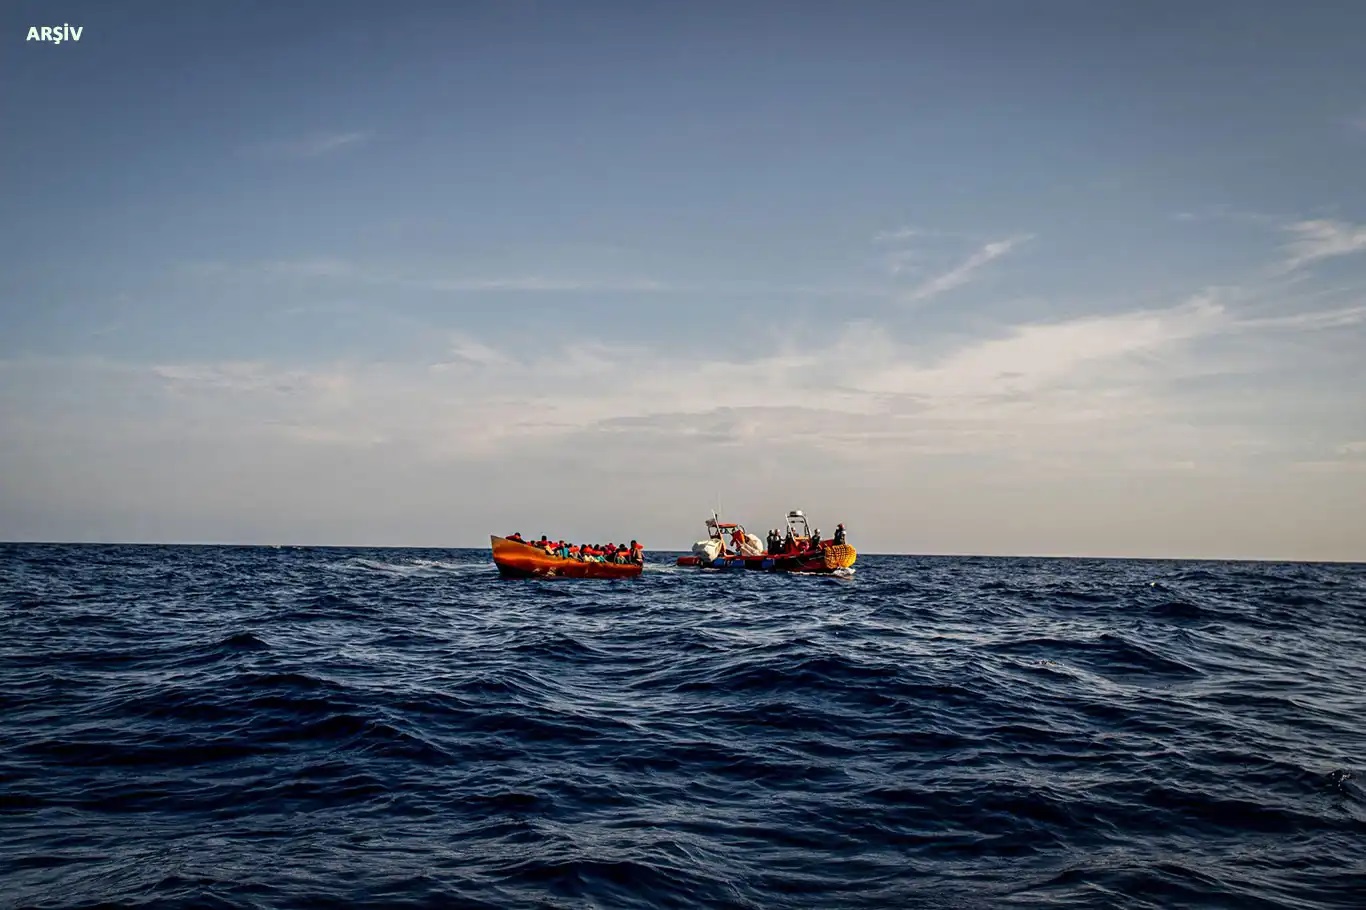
x=786, y=545
x=586, y=552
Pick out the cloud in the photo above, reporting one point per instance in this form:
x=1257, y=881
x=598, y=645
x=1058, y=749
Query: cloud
x=1311, y=321
x=964, y=271
x=1228, y=213
x=1041, y=408
x=1331, y=466
x=1043, y=389
x=311, y=146
x=469, y=351
x=1033, y=355
x=1321, y=239
x=905, y=233
x=860, y=394
x=538, y=283
x=336, y=269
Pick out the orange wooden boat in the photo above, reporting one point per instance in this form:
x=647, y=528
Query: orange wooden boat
x=522, y=560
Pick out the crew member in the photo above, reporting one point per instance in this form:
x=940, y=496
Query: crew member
x=839, y=534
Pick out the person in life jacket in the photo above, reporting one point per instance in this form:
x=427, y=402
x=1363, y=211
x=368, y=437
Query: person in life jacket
x=517, y=536
x=737, y=539
x=637, y=552
x=839, y=534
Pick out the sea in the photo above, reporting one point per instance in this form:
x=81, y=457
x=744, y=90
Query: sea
x=215, y=727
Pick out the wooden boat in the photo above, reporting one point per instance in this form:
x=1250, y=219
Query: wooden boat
x=522, y=560
x=825, y=559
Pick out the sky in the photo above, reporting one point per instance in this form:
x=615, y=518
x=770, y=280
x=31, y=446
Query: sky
x=1060, y=278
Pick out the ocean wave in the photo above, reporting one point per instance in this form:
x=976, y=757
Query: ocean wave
x=243, y=727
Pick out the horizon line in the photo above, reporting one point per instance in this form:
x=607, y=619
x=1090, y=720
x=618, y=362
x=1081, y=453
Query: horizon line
x=327, y=546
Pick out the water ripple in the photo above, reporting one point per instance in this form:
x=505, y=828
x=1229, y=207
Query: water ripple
x=312, y=727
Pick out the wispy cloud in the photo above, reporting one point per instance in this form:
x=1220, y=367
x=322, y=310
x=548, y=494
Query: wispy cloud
x=1044, y=385
x=1331, y=466
x=1318, y=319
x=965, y=271
x=337, y=269
x=539, y=283
x=247, y=377
x=311, y=146
x=1321, y=239
x=905, y=233
x=1031, y=388
x=1229, y=213
x=325, y=268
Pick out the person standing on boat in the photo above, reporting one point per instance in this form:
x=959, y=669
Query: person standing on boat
x=637, y=553
x=839, y=534
x=816, y=539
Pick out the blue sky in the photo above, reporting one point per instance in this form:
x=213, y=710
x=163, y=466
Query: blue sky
x=979, y=277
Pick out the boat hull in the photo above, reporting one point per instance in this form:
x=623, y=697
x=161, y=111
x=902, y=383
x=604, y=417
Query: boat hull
x=826, y=561
x=522, y=560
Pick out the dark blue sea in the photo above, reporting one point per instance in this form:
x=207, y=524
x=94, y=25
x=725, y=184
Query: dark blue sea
x=313, y=727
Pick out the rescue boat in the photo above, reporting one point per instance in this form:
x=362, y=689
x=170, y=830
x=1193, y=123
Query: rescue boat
x=516, y=559
x=746, y=551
